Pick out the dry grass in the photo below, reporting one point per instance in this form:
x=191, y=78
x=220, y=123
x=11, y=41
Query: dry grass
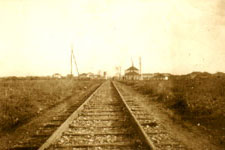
x=22, y=99
x=198, y=98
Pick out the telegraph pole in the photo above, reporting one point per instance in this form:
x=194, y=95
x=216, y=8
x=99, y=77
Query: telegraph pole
x=120, y=73
x=71, y=62
x=73, y=57
x=132, y=62
x=140, y=64
x=140, y=68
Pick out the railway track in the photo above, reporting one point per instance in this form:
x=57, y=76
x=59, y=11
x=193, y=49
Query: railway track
x=108, y=120
x=102, y=122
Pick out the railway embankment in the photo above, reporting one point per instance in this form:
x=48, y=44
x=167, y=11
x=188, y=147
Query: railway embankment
x=199, y=101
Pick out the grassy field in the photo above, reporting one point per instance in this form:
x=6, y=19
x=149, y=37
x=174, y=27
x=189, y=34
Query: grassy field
x=22, y=99
x=201, y=99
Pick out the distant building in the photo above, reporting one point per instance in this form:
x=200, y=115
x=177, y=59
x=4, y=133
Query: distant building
x=161, y=76
x=155, y=76
x=132, y=73
x=83, y=76
x=147, y=76
x=57, y=75
x=90, y=76
x=199, y=75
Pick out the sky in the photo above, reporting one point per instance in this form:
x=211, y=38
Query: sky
x=170, y=36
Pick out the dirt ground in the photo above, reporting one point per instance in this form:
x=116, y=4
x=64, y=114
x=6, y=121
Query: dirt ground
x=8, y=139
x=192, y=135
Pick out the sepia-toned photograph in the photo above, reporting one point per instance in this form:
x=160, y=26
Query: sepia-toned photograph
x=112, y=74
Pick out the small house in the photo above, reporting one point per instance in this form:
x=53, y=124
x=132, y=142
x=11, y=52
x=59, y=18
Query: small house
x=132, y=73
x=57, y=75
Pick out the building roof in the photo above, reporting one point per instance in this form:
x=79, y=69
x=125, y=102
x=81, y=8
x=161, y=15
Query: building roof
x=132, y=68
x=147, y=74
x=56, y=74
x=83, y=74
x=131, y=73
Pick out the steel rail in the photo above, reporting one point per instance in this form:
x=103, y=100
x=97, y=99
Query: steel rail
x=139, y=128
x=59, y=132
x=65, y=125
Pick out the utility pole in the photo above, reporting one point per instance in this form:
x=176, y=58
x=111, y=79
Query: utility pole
x=71, y=62
x=132, y=62
x=140, y=68
x=75, y=62
x=73, y=58
x=120, y=73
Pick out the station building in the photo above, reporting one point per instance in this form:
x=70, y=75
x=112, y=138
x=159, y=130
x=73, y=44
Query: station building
x=132, y=73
